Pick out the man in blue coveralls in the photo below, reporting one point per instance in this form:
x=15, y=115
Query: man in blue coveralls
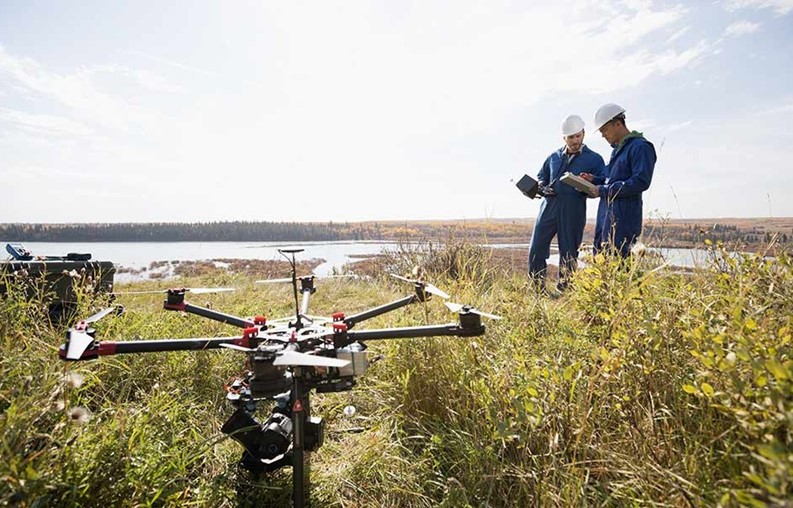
x=629, y=173
x=563, y=211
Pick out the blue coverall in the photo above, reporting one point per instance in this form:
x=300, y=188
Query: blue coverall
x=629, y=173
x=562, y=215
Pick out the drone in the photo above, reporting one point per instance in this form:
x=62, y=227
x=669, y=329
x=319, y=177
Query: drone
x=286, y=359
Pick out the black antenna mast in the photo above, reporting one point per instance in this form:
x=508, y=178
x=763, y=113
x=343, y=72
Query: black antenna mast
x=293, y=263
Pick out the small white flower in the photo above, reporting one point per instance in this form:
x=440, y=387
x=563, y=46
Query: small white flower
x=73, y=379
x=79, y=415
x=639, y=249
x=731, y=357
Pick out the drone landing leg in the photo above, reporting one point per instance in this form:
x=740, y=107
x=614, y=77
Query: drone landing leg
x=300, y=471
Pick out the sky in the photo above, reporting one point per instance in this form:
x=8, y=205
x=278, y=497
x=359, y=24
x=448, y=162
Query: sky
x=210, y=110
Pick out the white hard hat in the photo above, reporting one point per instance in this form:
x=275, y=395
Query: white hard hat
x=573, y=124
x=606, y=113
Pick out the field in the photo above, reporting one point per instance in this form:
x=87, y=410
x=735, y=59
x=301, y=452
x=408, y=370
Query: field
x=638, y=387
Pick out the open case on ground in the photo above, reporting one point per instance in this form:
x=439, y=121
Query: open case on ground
x=57, y=278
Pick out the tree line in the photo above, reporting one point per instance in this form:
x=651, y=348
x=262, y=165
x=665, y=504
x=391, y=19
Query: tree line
x=670, y=234
x=184, y=232
x=242, y=231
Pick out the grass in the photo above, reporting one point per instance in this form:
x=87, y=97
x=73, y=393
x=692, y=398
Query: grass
x=639, y=387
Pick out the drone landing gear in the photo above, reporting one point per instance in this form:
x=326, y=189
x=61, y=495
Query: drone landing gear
x=285, y=439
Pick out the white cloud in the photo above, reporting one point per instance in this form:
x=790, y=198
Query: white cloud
x=678, y=34
x=171, y=63
x=740, y=28
x=678, y=126
x=44, y=124
x=781, y=7
x=80, y=92
x=148, y=80
x=785, y=107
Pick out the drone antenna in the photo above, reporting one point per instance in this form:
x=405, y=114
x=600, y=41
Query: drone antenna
x=292, y=263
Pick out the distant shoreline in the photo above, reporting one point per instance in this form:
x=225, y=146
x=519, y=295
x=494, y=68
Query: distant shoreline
x=752, y=233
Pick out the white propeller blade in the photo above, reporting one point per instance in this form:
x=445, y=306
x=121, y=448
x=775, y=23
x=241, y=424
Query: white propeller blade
x=200, y=291
x=78, y=343
x=486, y=314
x=429, y=288
x=293, y=358
x=99, y=315
x=401, y=278
x=457, y=307
x=237, y=348
x=454, y=307
x=289, y=279
x=197, y=291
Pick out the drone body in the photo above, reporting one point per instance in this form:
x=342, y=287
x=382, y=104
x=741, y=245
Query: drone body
x=285, y=360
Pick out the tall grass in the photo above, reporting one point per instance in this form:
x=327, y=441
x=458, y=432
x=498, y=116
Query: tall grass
x=638, y=387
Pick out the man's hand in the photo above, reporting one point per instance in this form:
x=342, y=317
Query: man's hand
x=594, y=192
x=547, y=191
x=587, y=176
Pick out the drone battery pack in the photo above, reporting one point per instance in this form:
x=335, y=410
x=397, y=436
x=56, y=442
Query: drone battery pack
x=528, y=186
x=358, y=361
x=577, y=182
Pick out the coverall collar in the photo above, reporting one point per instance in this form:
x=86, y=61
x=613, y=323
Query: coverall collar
x=563, y=150
x=631, y=135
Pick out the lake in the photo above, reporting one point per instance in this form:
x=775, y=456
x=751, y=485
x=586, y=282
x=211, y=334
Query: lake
x=137, y=255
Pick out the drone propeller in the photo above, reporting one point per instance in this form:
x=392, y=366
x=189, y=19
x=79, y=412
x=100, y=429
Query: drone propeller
x=237, y=348
x=429, y=288
x=457, y=307
x=197, y=291
x=295, y=359
x=289, y=279
x=78, y=343
x=273, y=281
x=118, y=309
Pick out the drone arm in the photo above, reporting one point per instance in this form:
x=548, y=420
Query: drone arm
x=207, y=313
x=156, y=346
x=451, y=329
x=350, y=321
x=109, y=348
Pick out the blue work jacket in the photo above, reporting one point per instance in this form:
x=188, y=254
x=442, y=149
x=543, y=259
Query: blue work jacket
x=629, y=173
x=558, y=163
